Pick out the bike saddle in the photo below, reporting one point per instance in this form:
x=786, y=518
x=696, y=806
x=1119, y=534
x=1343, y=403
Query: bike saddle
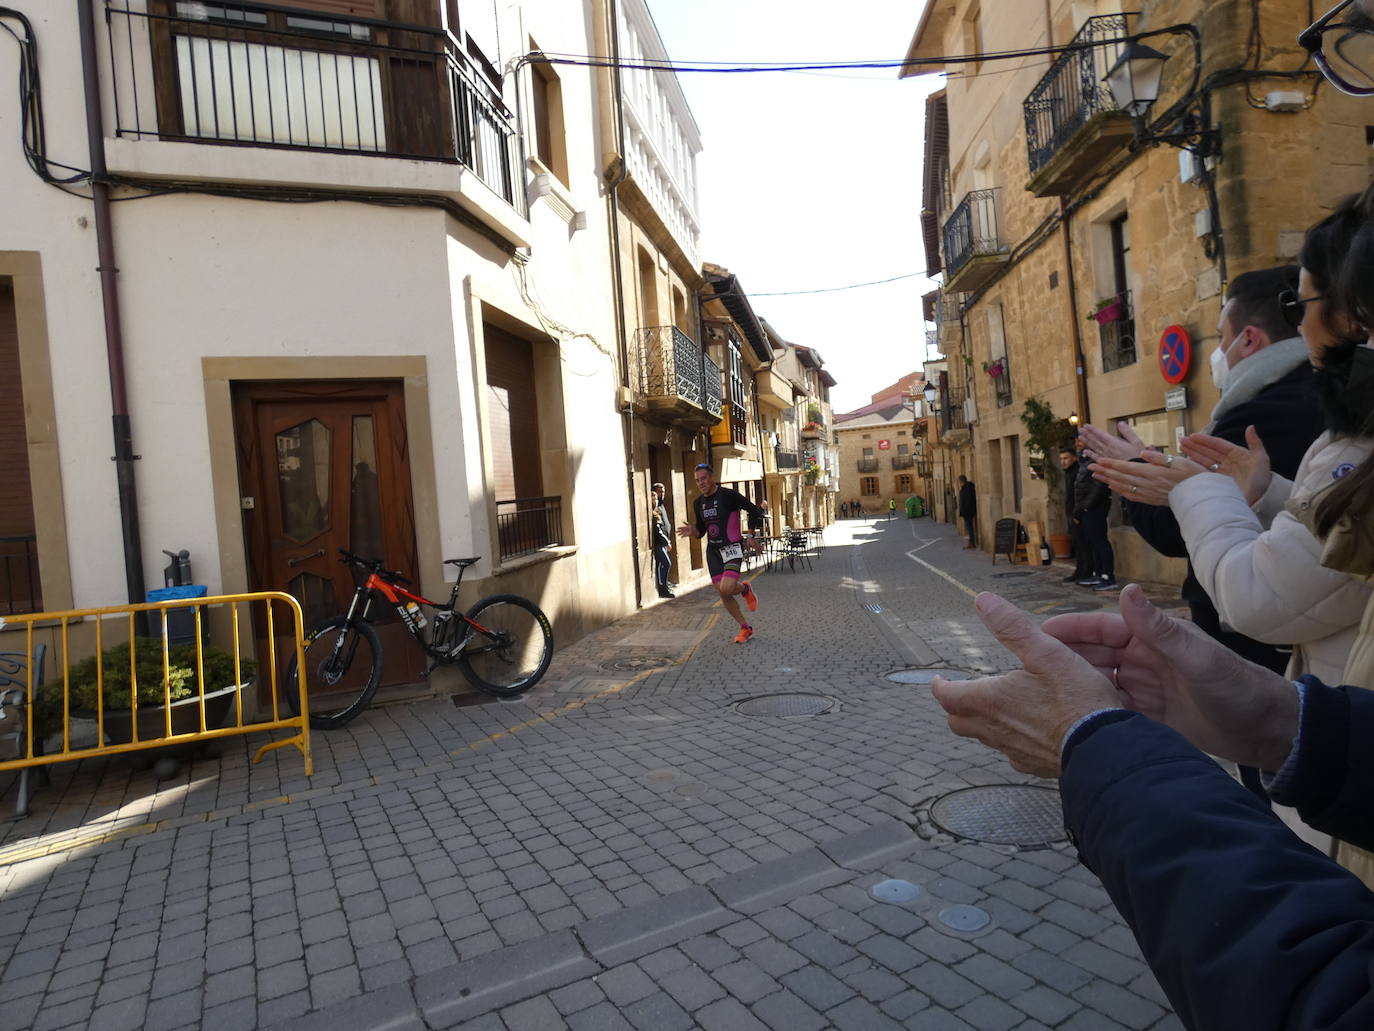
x=462, y=563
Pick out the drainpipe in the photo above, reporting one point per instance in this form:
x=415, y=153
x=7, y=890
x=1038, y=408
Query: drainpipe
x=1085, y=415
x=612, y=33
x=124, y=457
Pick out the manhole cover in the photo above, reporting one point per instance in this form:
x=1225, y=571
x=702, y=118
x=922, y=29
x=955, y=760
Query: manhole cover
x=895, y=891
x=636, y=663
x=1015, y=573
x=965, y=918
x=785, y=705
x=1002, y=814
x=925, y=676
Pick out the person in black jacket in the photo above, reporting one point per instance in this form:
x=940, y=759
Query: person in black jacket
x=1068, y=461
x=1267, y=384
x=1091, y=502
x=968, y=511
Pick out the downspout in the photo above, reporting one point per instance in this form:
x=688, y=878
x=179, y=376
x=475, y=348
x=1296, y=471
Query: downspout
x=124, y=457
x=1081, y=377
x=611, y=32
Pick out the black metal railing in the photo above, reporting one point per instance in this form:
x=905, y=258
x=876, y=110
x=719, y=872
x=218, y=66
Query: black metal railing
x=672, y=364
x=999, y=371
x=1072, y=91
x=244, y=73
x=952, y=411
x=903, y=461
x=19, y=571
x=527, y=525
x=971, y=231
x=788, y=461
x=713, y=394
x=1116, y=329
x=868, y=465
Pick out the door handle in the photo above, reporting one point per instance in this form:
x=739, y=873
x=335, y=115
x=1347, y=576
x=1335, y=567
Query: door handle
x=305, y=558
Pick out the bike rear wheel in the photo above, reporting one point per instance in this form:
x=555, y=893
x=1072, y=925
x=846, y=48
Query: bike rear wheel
x=343, y=665
x=509, y=648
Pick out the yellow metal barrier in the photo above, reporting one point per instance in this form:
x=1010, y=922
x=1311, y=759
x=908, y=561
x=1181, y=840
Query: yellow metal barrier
x=154, y=731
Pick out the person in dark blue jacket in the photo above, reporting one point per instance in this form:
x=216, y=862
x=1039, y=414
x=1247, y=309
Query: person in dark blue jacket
x=1244, y=925
x=1265, y=382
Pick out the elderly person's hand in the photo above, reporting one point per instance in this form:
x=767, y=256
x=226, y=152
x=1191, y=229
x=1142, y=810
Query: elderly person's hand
x=1174, y=673
x=1148, y=482
x=1025, y=714
x=1102, y=444
x=1248, y=466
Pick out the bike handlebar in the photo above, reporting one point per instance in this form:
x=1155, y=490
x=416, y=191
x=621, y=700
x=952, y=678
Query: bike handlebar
x=371, y=565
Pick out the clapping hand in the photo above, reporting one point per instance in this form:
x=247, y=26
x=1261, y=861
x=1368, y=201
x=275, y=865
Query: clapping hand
x=1148, y=482
x=1248, y=466
x=1101, y=444
x=1174, y=673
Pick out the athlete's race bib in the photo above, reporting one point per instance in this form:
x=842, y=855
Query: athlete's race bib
x=732, y=553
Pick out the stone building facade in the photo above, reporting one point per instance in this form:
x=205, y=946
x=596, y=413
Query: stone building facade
x=1067, y=246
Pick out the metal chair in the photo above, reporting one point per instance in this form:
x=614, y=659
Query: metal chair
x=797, y=548
x=14, y=698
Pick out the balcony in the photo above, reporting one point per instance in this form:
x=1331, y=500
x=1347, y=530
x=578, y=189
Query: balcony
x=868, y=465
x=732, y=431
x=999, y=371
x=249, y=74
x=953, y=419
x=788, y=461
x=974, y=251
x=527, y=525
x=1072, y=123
x=774, y=389
x=1116, y=329
x=676, y=379
x=903, y=461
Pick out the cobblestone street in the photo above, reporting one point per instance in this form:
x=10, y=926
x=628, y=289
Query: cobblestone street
x=621, y=848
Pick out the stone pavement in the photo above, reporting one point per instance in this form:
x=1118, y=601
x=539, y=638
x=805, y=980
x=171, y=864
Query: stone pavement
x=620, y=848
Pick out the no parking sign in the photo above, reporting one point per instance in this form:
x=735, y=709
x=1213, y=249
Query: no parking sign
x=1175, y=354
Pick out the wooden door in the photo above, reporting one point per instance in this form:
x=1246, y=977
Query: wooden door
x=324, y=466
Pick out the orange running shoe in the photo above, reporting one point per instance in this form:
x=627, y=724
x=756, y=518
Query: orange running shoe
x=750, y=598
x=745, y=632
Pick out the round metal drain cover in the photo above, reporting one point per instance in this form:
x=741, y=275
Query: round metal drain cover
x=895, y=891
x=785, y=705
x=925, y=676
x=636, y=663
x=1002, y=814
x=965, y=918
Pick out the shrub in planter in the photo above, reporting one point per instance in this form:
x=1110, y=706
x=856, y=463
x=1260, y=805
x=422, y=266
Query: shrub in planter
x=89, y=680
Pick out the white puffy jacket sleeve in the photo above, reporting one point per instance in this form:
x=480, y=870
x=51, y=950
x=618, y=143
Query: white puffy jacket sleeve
x=1270, y=584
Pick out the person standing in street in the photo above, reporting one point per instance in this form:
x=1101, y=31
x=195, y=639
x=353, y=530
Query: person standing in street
x=1068, y=461
x=891, y=507
x=968, y=511
x=663, y=543
x=718, y=511
x=844, y=509
x=1091, y=502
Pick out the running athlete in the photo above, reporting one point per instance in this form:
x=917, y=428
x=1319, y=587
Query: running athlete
x=717, y=511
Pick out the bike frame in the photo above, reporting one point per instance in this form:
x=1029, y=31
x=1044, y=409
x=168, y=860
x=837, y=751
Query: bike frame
x=398, y=595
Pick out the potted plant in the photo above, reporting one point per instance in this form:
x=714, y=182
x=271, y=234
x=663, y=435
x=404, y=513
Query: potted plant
x=104, y=686
x=994, y=368
x=1108, y=309
x=811, y=430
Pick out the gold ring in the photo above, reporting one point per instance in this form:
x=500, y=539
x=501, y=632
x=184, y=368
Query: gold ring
x=1115, y=682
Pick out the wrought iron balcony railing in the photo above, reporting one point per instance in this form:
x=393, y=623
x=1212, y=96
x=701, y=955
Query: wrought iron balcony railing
x=672, y=365
x=903, y=461
x=235, y=72
x=971, y=232
x=788, y=461
x=999, y=371
x=952, y=411
x=868, y=465
x=527, y=525
x=1116, y=329
x=713, y=400
x=1072, y=92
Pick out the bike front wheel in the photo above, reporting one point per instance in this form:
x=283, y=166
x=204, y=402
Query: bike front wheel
x=509, y=647
x=343, y=665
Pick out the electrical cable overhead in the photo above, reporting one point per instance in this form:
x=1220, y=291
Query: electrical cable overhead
x=835, y=289
x=33, y=130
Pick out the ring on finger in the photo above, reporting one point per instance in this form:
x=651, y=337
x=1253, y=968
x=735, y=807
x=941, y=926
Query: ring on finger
x=1115, y=682
x=1168, y=460
x=1134, y=489
x=1214, y=466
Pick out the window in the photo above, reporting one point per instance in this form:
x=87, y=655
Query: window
x=20, y=589
x=904, y=484
x=550, y=145
x=1115, y=319
x=1014, y=448
x=901, y=449
x=868, y=436
x=868, y=486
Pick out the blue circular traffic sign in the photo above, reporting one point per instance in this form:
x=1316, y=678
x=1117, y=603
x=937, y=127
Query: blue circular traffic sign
x=1175, y=354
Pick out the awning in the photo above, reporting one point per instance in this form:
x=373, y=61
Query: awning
x=740, y=470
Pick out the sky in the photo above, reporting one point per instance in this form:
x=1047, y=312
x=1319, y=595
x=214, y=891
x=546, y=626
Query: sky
x=813, y=180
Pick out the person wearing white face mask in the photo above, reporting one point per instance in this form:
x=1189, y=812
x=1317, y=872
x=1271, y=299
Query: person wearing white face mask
x=1261, y=367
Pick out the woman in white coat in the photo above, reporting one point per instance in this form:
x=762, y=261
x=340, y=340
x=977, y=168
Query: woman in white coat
x=1255, y=555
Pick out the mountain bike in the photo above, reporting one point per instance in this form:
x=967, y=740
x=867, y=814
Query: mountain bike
x=502, y=644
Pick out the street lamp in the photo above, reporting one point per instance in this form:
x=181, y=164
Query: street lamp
x=1134, y=81
x=932, y=394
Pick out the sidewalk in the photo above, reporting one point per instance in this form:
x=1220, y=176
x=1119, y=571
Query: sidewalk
x=620, y=848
